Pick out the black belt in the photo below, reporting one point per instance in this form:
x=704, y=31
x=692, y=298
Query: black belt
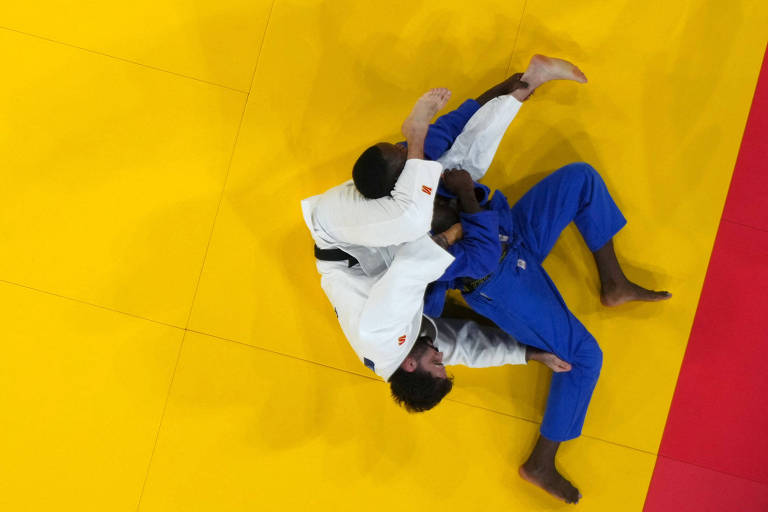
x=334, y=255
x=470, y=285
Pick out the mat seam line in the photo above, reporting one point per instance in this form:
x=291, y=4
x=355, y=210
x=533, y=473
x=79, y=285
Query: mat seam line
x=160, y=423
x=764, y=484
x=122, y=59
x=517, y=36
x=92, y=304
x=350, y=372
x=745, y=225
x=205, y=258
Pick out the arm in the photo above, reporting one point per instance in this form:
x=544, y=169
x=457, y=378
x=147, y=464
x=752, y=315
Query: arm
x=343, y=215
x=477, y=253
x=349, y=218
x=391, y=316
x=470, y=344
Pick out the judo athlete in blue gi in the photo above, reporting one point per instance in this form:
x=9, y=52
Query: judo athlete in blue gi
x=498, y=267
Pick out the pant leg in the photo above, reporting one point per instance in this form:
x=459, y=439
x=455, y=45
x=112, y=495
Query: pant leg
x=476, y=146
x=526, y=304
x=575, y=193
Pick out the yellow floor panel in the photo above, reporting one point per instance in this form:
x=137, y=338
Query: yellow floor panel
x=212, y=41
x=316, y=102
x=251, y=430
x=661, y=119
x=111, y=179
x=112, y=173
x=628, y=121
x=82, y=391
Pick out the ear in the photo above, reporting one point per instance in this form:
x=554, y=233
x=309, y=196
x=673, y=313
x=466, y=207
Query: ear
x=410, y=364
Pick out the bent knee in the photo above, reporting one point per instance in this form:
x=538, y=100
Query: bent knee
x=581, y=169
x=589, y=357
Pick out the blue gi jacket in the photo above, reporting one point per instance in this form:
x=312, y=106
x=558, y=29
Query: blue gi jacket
x=478, y=252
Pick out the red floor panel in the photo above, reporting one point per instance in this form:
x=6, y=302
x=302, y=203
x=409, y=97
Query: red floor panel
x=680, y=487
x=719, y=414
x=749, y=187
x=714, y=453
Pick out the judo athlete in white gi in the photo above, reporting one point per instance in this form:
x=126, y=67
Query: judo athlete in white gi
x=384, y=256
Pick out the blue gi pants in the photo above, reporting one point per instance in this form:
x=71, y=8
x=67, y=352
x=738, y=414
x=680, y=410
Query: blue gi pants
x=523, y=300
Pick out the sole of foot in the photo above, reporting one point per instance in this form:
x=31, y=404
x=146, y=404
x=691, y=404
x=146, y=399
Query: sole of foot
x=543, y=69
x=426, y=107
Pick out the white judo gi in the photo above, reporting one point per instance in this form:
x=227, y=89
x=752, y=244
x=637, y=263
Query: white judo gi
x=379, y=303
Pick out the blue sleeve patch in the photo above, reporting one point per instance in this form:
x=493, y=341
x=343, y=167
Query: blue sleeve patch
x=369, y=364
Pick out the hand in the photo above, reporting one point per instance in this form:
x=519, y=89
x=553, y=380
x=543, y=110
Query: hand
x=548, y=359
x=458, y=181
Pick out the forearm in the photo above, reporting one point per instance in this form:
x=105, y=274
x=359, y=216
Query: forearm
x=468, y=201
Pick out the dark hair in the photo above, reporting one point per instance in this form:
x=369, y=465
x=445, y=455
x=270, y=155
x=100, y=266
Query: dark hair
x=371, y=174
x=418, y=391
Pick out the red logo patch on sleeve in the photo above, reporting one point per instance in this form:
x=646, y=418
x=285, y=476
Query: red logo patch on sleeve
x=426, y=190
x=401, y=340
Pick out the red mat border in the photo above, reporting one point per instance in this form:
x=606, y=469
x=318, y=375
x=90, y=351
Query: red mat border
x=673, y=479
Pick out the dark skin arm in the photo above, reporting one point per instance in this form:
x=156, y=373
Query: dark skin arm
x=460, y=183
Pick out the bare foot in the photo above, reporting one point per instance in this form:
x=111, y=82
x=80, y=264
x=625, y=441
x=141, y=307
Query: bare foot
x=616, y=294
x=425, y=109
x=548, y=359
x=552, y=482
x=542, y=69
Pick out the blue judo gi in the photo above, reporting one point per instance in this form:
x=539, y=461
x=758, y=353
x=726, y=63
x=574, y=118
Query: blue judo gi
x=519, y=296
x=517, y=293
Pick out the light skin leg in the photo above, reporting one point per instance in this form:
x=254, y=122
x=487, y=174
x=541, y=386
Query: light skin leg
x=542, y=69
x=416, y=124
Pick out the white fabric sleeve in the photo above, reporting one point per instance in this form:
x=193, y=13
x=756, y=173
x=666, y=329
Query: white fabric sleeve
x=400, y=291
x=474, y=148
x=391, y=317
x=470, y=344
x=347, y=217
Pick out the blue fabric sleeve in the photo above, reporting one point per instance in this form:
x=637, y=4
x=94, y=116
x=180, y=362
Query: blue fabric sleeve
x=444, y=131
x=477, y=253
x=434, y=298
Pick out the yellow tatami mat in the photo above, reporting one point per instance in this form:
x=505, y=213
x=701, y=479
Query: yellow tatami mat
x=167, y=346
x=112, y=175
x=251, y=430
x=82, y=392
x=216, y=42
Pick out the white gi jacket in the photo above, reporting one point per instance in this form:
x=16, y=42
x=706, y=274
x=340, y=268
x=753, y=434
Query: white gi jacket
x=379, y=303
